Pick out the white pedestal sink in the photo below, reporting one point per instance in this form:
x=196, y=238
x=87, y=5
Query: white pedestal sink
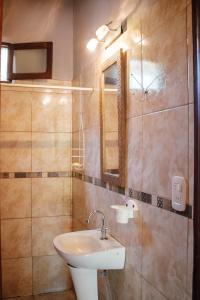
x=85, y=253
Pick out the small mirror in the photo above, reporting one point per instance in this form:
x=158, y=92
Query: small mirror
x=113, y=120
x=29, y=61
x=26, y=61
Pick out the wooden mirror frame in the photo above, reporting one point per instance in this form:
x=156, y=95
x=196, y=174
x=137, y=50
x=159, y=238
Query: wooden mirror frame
x=36, y=45
x=120, y=59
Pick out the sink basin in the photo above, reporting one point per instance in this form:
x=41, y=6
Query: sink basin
x=85, y=249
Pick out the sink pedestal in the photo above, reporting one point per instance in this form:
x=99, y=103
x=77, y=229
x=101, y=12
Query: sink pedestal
x=85, y=253
x=85, y=283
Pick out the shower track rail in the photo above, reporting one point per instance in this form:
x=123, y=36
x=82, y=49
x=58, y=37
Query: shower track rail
x=58, y=87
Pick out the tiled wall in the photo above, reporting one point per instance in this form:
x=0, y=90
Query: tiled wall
x=35, y=188
x=159, y=142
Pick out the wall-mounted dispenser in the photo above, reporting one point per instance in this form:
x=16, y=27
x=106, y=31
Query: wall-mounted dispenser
x=125, y=212
x=179, y=193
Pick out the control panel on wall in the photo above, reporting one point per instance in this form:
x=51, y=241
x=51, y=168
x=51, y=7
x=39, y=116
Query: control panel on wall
x=178, y=193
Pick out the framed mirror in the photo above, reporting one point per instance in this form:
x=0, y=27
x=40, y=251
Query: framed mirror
x=112, y=112
x=23, y=61
x=32, y=60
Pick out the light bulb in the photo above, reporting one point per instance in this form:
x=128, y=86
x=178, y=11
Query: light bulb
x=92, y=44
x=102, y=31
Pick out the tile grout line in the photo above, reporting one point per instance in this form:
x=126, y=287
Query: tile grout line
x=158, y=111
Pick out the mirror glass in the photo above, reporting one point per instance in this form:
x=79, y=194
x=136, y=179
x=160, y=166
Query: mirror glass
x=29, y=61
x=113, y=125
x=110, y=121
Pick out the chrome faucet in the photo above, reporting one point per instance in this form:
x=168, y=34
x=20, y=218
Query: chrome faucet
x=103, y=228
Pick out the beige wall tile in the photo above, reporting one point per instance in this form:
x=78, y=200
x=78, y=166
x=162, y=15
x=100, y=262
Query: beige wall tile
x=91, y=109
x=51, y=112
x=134, y=80
x=15, y=198
x=16, y=238
x=17, y=277
x=156, y=13
x=190, y=53
x=51, y=151
x=78, y=199
x=51, y=197
x=165, y=149
x=150, y=293
x=125, y=284
x=76, y=109
x=15, y=152
x=15, y=111
x=50, y=274
x=44, y=230
x=164, y=260
x=134, y=27
x=92, y=152
x=166, y=85
x=134, y=169
x=77, y=225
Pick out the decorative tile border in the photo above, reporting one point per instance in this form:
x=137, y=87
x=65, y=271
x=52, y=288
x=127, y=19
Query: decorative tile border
x=117, y=189
x=88, y=178
x=99, y=182
x=159, y=202
x=153, y=200
x=12, y=175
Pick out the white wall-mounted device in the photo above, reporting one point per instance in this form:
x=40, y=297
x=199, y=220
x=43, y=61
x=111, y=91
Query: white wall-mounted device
x=178, y=193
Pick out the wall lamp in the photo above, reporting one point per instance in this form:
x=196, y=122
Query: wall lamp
x=101, y=33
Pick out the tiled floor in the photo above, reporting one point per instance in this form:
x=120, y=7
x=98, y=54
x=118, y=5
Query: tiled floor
x=69, y=295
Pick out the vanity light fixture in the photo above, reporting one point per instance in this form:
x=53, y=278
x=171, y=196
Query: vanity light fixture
x=101, y=33
x=92, y=44
x=103, y=30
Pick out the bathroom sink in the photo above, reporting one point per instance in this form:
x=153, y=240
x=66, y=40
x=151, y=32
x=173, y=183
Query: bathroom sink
x=85, y=249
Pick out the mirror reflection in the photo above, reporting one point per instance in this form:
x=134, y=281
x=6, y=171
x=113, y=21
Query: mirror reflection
x=110, y=121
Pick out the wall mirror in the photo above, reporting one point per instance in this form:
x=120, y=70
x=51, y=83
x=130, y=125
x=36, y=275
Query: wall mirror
x=26, y=61
x=113, y=120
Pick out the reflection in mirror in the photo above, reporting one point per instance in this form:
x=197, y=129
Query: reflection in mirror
x=110, y=125
x=113, y=120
